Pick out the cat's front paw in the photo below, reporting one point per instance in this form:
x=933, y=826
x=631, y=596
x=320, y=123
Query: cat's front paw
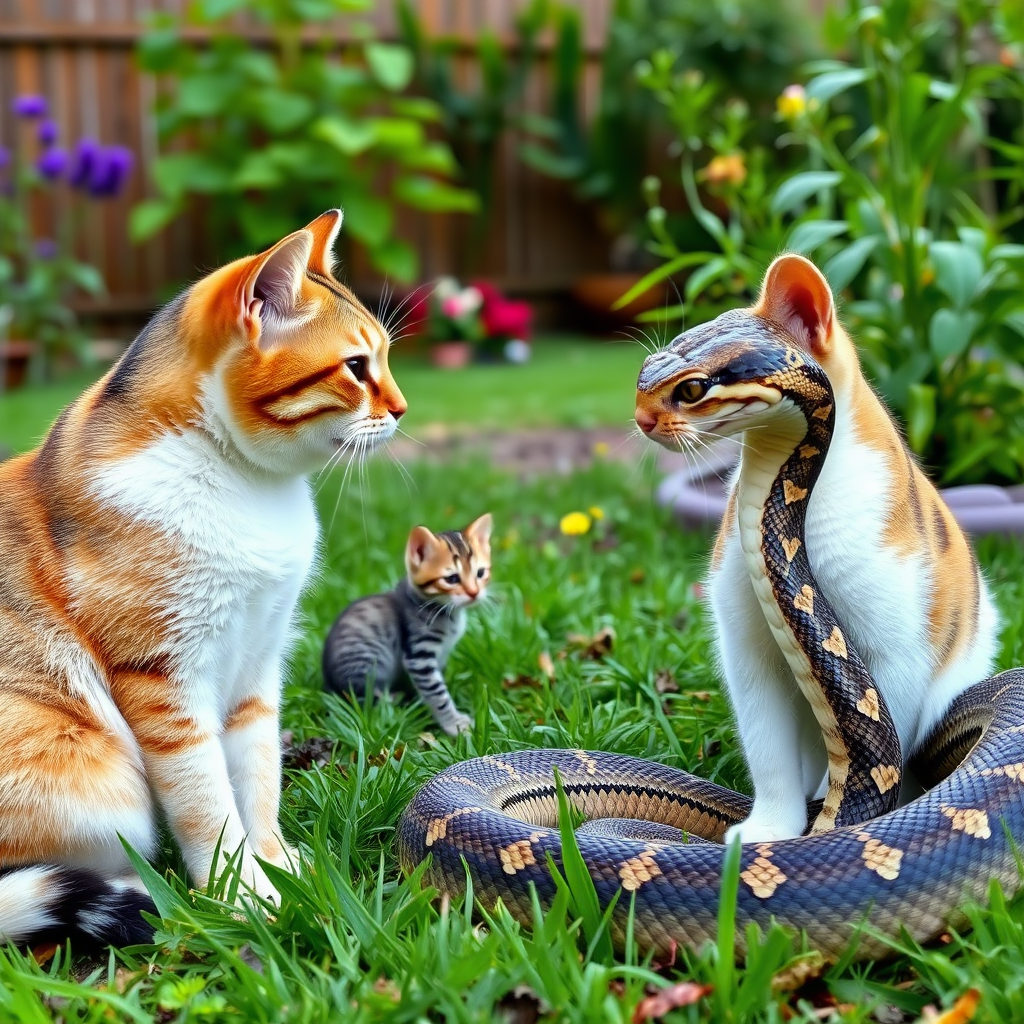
x=281, y=855
x=759, y=830
x=457, y=723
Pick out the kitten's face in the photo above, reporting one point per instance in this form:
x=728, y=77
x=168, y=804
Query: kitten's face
x=451, y=568
x=308, y=376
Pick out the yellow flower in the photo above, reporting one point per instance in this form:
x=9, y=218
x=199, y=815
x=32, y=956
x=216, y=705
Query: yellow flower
x=792, y=103
x=596, y=512
x=601, y=449
x=574, y=524
x=725, y=170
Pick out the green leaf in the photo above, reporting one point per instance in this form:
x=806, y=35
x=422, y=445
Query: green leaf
x=396, y=259
x=435, y=157
x=259, y=170
x=796, y=190
x=149, y=217
x=686, y=259
x=280, y=111
x=87, y=277
x=417, y=107
x=832, y=83
x=347, y=136
x=391, y=64
x=920, y=414
x=434, y=196
x=958, y=269
x=808, y=236
x=848, y=262
x=950, y=332
x=397, y=132
x=368, y=217
x=206, y=95
x=178, y=173
x=712, y=271
x=554, y=165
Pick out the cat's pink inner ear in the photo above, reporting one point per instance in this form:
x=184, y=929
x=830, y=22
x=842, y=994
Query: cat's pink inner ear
x=480, y=529
x=324, y=231
x=273, y=282
x=420, y=542
x=796, y=295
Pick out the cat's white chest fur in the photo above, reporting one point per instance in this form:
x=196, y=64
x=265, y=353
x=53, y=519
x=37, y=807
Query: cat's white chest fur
x=245, y=543
x=880, y=595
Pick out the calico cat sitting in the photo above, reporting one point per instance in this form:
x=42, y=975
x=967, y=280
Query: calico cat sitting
x=406, y=635
x=152, y=552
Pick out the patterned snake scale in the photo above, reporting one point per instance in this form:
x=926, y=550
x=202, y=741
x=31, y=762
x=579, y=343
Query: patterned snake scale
x=865, y=861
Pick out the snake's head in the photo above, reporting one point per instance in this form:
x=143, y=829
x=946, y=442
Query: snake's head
x=730, y=374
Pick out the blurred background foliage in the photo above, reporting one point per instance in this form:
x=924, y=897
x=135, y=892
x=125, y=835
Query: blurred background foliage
x=885, y=141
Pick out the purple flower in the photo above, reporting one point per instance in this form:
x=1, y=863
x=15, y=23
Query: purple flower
x=30, y=106
x=111, y=168
x=5, y=157
x=46, y=249
x=86, y=153
x=52, y=163
x=47, y=132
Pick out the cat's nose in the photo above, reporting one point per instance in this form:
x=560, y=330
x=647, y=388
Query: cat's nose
x=397, y=405
x=645, y=420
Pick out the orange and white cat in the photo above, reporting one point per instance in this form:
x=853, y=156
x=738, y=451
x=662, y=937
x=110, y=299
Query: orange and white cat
x=152, y=552
x=885, y=550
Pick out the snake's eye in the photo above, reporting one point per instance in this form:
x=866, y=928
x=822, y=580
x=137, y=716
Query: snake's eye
x=690, y=391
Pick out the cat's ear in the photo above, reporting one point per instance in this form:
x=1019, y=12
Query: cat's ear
x=324, y=231
x=421, y=542
x=272, y=283
x=796, y=295
x=480, y=530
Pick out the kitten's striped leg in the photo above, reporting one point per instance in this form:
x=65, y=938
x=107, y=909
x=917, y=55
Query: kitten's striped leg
x=430, y=685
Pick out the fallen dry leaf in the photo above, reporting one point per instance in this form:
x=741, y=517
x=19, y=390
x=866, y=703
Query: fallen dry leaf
x=520, y=681
x=317, y=750
x=684, y=994
x=638, y=575
x=959, y=1013
x=699, y=694
x=547, y=666
x=427, y=739
x=665, y=682
x=594, y=647
x=388, y=988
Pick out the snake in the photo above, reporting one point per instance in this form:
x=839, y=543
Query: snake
x=866, y=871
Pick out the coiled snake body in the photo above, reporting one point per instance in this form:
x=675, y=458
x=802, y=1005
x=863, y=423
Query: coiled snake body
x=865, y=860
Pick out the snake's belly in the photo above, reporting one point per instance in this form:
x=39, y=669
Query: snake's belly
x=912, y=868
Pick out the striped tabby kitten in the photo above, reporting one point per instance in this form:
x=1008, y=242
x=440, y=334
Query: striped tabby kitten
x=405, y=635
x=152, y=551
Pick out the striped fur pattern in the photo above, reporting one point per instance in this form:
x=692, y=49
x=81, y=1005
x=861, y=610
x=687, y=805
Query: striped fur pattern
x=404, y=637
x=886, y=553
x=152, y=552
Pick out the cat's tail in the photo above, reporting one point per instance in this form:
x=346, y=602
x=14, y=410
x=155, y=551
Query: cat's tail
x=48, y=903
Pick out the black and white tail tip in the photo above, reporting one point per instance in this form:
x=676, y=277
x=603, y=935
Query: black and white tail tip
x=43, y=903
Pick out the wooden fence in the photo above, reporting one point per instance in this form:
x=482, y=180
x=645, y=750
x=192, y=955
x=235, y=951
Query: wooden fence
x=79, y=54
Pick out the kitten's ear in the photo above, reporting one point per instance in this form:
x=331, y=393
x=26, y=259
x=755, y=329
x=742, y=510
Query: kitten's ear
x=272, y=283
x=480, y=530
x=421, y=542
x=796, y=295
x=324, y=231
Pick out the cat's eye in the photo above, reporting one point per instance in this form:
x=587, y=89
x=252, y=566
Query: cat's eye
x=690, y=391
x=481, y=573
x=359, y=366
x=454, y=578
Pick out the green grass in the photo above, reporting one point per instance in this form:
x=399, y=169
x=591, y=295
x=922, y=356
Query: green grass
x=354, y=940
x=569, y=381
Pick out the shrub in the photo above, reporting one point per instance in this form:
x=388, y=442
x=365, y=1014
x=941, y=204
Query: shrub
x=277, y=134
x=893, y=159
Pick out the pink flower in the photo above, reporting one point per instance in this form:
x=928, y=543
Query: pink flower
x=506, y=319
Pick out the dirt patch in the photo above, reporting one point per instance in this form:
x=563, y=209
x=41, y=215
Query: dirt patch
x=531, y=452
